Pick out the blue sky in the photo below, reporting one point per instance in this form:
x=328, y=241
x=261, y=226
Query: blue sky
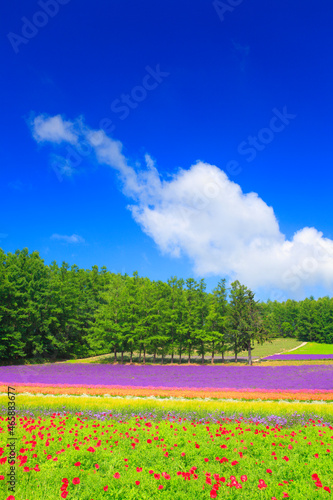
x=243, y=87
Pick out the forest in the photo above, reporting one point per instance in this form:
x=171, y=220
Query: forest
x=57, y=312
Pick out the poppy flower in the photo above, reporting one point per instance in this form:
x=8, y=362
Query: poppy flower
x=137, y=483
x=326, y=488
x=234, y=462
x=77, y=464
x=105, y=488
x=157, y=476
x=63, y=494
x=213, y=494
x=244, y=478
x=116, y=475
x=269, y=471
x=76, y=480
x=160, y=487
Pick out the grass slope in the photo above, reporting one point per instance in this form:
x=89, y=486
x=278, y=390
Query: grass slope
x=314, y=348
x=278, y=345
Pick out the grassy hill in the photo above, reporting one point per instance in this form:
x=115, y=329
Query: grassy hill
x=314, y=348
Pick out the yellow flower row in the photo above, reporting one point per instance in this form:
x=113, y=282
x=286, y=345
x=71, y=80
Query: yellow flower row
x=85, y=403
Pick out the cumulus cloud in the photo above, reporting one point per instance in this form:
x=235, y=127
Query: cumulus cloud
x=75, y=238
x=202, y=214
x=53, y=129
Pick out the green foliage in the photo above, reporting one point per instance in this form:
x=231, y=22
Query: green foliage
x=52, y=312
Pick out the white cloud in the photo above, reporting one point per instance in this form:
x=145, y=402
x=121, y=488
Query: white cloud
x=75, y=238
x=53, y=129
x=203, y=215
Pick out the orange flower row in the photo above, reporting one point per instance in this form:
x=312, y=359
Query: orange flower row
x=176, y=393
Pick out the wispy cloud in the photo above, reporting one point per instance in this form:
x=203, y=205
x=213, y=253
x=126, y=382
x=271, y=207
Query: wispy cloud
x=53, y=129
x=204, y=215
x=75, y=238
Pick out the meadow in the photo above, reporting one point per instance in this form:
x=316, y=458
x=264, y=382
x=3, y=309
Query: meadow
x=97, y=431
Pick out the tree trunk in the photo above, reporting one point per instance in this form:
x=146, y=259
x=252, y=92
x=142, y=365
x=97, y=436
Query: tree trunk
x=249, y=353
x=203, y=354
x=162, y=358
x=212, y=354
x=222, y=356
x=236, y=356
x=115, y=355
x=140, y=355
x=189, y=356
x=131, y=359
x=144, y=355
x=180, y=356
x=154, y=356
x=172, y=357
x=122, y=356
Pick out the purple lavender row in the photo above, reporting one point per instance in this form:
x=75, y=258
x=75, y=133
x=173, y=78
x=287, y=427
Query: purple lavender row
x=302, y=377
x=297, y=357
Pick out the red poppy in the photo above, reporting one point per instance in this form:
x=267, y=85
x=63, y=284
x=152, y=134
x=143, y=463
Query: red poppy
x=116, y=475
x=137, y=483
x=269, y=471
x=77, y=464
x=160, y=487
x=213, y=494
x=234, y=462
x=63, y=494
x=157, y=476
x=105, y=488
x=76, y=480
x=326, y=488
x=2, y=477
x=148, y=441
x=243, y=478
x=206, y=459
x=97, y=466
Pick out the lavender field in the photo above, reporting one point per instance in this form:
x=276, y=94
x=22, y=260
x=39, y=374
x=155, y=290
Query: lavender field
x=298, y=357
x=310, y=377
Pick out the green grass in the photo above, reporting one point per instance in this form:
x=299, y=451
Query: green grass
x=108, y=466
x=278, y=345
x=275, y=346
x=314, y=348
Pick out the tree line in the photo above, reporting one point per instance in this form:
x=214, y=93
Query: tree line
x=58, y=312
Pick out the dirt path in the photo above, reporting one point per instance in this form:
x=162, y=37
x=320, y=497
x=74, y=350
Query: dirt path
x=289, y=350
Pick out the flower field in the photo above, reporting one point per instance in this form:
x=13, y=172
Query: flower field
x=96, y=432
x=299, y=357
x=76, y=457
x=315, y=377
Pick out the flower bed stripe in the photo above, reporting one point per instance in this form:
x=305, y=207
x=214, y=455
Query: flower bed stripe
x=298, y=395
